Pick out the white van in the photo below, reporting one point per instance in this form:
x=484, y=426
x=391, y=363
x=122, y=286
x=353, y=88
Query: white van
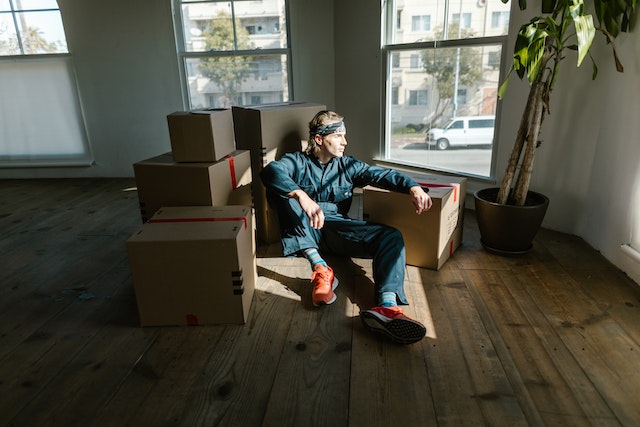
x=463, y=131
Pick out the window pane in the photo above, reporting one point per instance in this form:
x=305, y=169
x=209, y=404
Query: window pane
x=4, y=5
x=209, y=26
x=35, y=4
x=8, y=39
x=41, y=32
x=452, y=82
x=220, y=82
x=420, y=20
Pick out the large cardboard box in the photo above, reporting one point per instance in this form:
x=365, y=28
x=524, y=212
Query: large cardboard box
x=431, y=237
x=194, y=266
x=201, y=135
x=161, y=181
x=269, y=131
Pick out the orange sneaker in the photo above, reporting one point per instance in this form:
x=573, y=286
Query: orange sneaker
x=324, y=282
x=392, y=322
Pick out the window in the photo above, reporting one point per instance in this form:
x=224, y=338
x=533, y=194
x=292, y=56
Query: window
x=232, y=55
x=35, y=65
x=466, y=20
x=420, y=23
x=499, y=19
x=417, y=97
x=29, y=27
x=451, y=70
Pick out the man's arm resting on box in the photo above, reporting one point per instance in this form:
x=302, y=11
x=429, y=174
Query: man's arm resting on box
x=420, y=199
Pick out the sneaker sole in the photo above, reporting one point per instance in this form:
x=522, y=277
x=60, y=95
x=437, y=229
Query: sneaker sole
x=401, y=331
x=334, y=285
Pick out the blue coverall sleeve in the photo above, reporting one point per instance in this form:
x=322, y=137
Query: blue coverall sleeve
x=385, y=178
x=278, y=176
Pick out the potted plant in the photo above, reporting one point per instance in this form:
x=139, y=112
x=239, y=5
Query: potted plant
x=541, y=45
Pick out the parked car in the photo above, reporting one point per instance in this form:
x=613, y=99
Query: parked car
x=462, y=131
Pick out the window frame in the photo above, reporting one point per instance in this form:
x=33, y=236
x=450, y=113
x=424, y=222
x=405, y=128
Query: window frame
x=184, y=56
x=390, y=48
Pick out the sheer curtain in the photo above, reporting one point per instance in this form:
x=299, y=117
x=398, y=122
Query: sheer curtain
x=41, y=121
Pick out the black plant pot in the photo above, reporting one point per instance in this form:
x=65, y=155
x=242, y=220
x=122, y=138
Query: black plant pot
x=507, y=229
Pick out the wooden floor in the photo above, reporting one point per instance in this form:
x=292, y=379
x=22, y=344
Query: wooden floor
x=550, y=338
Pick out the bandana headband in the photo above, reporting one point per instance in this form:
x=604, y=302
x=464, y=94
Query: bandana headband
x=325, y=130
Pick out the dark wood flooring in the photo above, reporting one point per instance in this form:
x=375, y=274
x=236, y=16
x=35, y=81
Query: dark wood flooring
x=547, y=339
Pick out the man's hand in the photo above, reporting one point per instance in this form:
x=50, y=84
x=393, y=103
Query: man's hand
x=311, y=208
x=420, y=199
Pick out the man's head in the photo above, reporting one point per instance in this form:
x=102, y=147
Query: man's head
x=327, y=134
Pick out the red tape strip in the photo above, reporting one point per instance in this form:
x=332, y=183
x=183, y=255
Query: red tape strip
x=232, y=171
x=243, y=219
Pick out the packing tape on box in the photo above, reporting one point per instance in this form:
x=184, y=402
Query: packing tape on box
x=431, y=185
x=243, y=219
x=232, y=171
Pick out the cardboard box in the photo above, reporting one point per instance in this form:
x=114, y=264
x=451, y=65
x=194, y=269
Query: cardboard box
x=269, y=131
x=201, y=135
x=431, y=180
x=194, y=266
x=162, y=181
x=431, y=237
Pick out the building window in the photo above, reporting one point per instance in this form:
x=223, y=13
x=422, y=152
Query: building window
x=451, y=71
x=417, y=97
x=420, y=23
x=230, y=55
x=466, y=19
x=500, y=19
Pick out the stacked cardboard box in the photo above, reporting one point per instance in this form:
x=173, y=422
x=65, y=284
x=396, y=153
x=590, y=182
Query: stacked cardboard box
x=431, y=237
x=162, y=181
x=191, y=262
x=201, y=135
x=268, y=132
x=194, y=266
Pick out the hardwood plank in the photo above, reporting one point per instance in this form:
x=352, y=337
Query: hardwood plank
x=468, y=345
x=236, y=382
x=603, y=349
x=615, y=293
x=389, y=382
x=592, y=404
x=66, y=269
x=160, y=383
x=544, y=396
x=315, y=362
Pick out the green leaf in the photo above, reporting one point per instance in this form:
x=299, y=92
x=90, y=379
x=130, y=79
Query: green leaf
x=585, y=32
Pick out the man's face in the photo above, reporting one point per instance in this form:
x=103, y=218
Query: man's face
x=332, y=145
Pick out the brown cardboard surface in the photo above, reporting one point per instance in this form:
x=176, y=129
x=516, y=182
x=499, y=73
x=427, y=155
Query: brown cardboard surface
x=201, y=135
x=432, y=180
x=431, y=237
x=161, y=181
x=194, y=266
x=269, y=131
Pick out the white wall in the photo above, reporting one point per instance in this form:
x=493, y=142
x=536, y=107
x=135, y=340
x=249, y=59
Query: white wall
x=589, y=161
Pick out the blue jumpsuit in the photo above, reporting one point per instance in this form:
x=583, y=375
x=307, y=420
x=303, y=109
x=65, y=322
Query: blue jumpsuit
x=331, y=186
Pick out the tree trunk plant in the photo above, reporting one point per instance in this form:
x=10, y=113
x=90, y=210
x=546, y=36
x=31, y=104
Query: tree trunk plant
x=541, y=45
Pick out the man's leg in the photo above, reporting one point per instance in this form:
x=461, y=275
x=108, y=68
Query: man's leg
x=299, y=238
x=386, y=246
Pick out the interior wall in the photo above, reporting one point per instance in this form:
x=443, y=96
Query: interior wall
x=312, y=25
x=358, y=70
